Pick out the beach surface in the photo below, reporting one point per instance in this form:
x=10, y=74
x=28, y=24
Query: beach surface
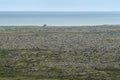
x=60, y=53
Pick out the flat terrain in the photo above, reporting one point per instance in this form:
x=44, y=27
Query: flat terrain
x=60, y=53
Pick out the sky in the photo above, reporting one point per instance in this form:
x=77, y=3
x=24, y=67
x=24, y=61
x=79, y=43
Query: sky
x=59, y=5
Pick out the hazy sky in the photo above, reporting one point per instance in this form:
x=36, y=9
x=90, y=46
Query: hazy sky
x=59, y=5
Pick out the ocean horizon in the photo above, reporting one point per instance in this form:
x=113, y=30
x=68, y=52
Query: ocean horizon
x=58, y=18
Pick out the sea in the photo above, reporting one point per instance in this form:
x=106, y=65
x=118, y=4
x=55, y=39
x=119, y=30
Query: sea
x=59, y=18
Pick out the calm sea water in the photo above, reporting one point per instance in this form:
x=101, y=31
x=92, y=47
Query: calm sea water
x=59, y=18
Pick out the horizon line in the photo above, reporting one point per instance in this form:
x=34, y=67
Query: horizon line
x=59, y=11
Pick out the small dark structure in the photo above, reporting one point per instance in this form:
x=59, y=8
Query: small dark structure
x=44, y=25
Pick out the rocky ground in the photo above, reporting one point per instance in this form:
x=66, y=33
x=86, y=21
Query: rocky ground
x=60, y=53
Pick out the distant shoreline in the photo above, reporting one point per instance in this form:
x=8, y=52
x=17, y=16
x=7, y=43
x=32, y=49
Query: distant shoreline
x=63, y=25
